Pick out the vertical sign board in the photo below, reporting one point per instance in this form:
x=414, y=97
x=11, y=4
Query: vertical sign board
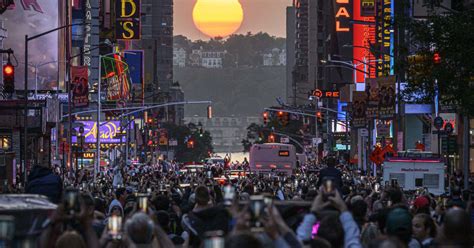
x=384, y=41
x=359, y=105
x=91, y=36
x=363, y=37
x=386, y=97
x=127, y=19
x=341, y=32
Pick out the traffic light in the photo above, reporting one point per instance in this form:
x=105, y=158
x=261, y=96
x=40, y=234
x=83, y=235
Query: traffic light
x=285, y=119
x=8, y=78
x=271, y=138
x=209, y=112
x=265, y=118
x=319, y=116
x=190, y=143
x=150, y=121
x=436, y=58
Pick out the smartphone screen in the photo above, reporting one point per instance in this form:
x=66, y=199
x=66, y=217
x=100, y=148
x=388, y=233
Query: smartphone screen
x=114, y=226
x=377, y=187
x=315, y=229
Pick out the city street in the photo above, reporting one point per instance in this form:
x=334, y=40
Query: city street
x=237, y=123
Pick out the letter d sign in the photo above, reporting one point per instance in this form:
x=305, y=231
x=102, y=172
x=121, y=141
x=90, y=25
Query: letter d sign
x=128, y=9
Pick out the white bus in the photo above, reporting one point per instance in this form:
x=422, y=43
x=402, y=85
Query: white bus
x=272, y=157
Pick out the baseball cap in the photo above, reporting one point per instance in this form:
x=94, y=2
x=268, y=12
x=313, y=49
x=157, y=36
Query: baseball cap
x=421, y=202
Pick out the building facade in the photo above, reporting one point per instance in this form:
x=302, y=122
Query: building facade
x=179, y=57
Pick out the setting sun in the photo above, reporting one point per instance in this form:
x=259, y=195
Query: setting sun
x=218, y=17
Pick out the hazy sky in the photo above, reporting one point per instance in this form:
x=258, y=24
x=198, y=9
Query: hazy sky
x=259, y=15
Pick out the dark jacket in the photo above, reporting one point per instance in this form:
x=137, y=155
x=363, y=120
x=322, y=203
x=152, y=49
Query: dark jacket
x=43, y=181
x=331, y=173
x=210, y=219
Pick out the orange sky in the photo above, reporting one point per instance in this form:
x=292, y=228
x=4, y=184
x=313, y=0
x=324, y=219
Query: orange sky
x=259, y=15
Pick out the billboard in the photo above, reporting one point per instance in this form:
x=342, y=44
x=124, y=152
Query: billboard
x=134, y=59
x=32, y=17
x=110, y=132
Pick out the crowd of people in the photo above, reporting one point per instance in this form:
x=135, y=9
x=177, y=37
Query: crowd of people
x=326, y=205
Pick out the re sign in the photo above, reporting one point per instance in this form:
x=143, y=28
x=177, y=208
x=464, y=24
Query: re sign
x=127, y=21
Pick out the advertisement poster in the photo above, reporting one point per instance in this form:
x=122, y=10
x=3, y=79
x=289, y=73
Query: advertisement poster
x=372, y=90
x=359, y=107
x=80, y=86
x=386, y=97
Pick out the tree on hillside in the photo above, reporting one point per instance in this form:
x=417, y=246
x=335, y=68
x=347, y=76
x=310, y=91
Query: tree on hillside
x=259, y=133
x=202, y=143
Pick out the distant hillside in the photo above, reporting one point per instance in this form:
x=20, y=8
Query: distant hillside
x=233, y=91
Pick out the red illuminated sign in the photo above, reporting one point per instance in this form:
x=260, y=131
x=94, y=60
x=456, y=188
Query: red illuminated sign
x=325, y=93
x=363, y=38
x=342, y=16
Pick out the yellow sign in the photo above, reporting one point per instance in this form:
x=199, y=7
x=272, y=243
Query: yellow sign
x=127, y=21
x=88, y=155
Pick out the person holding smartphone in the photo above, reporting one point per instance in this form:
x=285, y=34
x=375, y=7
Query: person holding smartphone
x=330, y=173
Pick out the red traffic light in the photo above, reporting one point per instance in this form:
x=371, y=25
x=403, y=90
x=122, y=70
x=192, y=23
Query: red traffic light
x=8, y=69
x=280, y=113
x=436, y=58
x=265, y=114
x=318, y=114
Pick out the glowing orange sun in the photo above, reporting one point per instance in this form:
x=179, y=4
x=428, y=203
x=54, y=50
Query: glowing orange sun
x=218, y=17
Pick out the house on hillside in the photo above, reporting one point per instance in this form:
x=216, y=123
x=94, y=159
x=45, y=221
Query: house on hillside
x=276, y=57
x=195, y=58
x=212, y=59
x=179, y=57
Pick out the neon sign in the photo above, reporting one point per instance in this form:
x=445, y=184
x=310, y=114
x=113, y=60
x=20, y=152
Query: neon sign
x=110, y=132
x=342, y=15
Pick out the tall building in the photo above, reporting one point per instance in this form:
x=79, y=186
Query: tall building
x=290, y=51
x=312, y=34
x=157, y=42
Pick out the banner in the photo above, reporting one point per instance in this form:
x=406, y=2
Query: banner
x=134, y=60
x=386, y=97
x=372, y=90
x=80, y=86
x=359, y=106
